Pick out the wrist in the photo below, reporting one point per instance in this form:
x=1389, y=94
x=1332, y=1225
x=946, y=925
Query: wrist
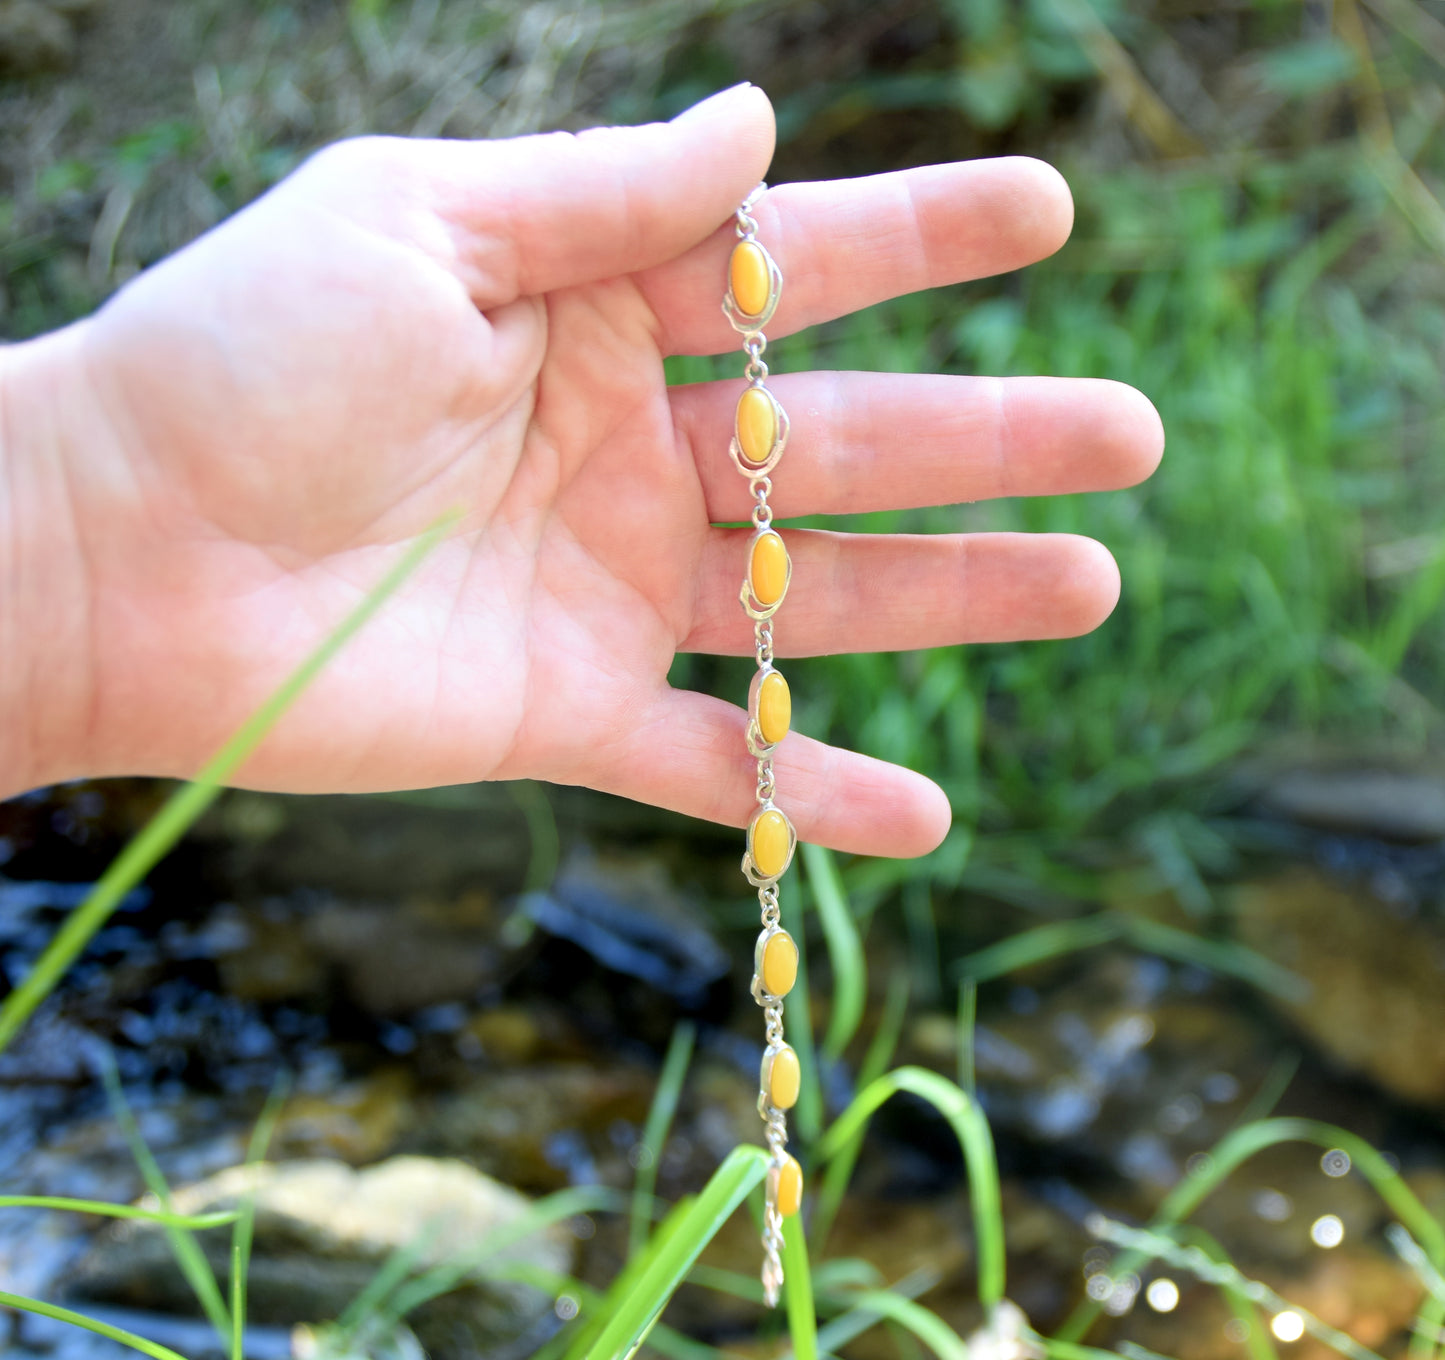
x=46, y=673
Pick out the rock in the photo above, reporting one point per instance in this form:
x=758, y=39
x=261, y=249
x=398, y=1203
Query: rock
x=1377, y=1000
x=1135, y=1064
x=399, y=959
x=546, y=1126
x=374, y=848
x=34, y=37
x=629, y=917
x=1406, y=805
x=323, y=1230
x=357, y=1122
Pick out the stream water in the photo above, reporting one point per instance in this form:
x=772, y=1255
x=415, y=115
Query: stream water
x=440, y=981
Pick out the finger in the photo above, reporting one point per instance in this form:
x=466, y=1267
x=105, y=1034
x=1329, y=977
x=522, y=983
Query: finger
x=689, y=754
x=846, y=244
x=897, y=592
x=883, y=441
x=526, y=215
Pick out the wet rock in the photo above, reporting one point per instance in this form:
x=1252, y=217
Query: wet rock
x=632, y=920
x=399, y=959
x=374, y=848
x=322, y=1231
x=1377, y=1000
x=1135, y=1063
x=545, y=1127
x=1399, y=804
x=358, y=1122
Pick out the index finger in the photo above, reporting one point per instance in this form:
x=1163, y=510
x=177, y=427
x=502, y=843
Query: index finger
x=845, y=244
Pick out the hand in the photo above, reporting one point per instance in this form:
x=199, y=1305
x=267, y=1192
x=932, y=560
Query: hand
x=213, y=469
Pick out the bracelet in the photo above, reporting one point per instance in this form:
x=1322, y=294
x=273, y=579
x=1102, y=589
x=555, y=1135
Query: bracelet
x=760, y=432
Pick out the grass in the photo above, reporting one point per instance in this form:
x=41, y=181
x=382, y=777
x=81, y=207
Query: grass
x=1276, y=292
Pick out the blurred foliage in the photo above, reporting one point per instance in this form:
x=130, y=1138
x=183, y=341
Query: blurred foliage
x=1258, y=248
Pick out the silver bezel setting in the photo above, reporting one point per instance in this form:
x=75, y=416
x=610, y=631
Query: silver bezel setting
x=750, y=870
x=739, y=319
x=754, y=608
x=759, y=995
x=780, y=436
x=757, y=747
x=765, y=1075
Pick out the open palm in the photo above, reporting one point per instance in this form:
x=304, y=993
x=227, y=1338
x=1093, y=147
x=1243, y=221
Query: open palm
x=404, y=328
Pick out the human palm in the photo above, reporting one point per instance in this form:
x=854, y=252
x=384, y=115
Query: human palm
x=404, y=329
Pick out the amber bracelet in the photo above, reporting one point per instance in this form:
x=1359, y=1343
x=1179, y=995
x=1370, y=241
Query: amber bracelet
x=760, y=433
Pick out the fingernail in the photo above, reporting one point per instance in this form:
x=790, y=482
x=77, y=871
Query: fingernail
x=714, y=101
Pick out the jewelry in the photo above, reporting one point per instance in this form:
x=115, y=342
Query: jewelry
x=760, y=432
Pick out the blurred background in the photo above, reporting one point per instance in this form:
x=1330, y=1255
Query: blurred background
x=1197, y=871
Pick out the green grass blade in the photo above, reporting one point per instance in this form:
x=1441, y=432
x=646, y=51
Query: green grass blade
x=184, y=1247
x=798, y=1291
x=531, y=798
x=921, y=1322
x=367, y=1306
x=50, y=1310
x=627, y=1279
x=1034, y=946
x=967, y=1023
x=1070, y=1350
x=244, y=1230
x=1271, y=1089
x=193, y=1222
x=1086, y=932
x=1428, y=1331
x=845, y=950
x=808, y=1112
x=971, y=1129
x=1238, y=1147
x=861, y=1276
x=665, y=1268
x=730, y=1282
x=1256, y=1334
x=654, y=1133
x=187, y=803
x=1146, y=1245
x=666, y=1341
x=834, y=1185
x=1215, y=956
x=441, y=1279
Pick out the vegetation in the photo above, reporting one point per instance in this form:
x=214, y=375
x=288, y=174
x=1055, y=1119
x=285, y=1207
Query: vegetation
x=1258, y=249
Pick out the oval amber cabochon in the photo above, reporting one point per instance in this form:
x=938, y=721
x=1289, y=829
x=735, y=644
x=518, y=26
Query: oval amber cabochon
x=785, y=1079
x=768, y=568
x=748, y=275
x=775, y=708
x=769, y=843
x=757, y=424
x=780, y=964
x=789, y=1187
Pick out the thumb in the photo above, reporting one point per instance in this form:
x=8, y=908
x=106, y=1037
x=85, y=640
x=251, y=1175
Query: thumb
x=529, y=214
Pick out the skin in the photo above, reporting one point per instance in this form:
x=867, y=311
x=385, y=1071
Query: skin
x=197, y=482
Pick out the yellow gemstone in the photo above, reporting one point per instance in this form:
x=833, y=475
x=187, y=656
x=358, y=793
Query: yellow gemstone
x=768, y=568
x=768, y=842
x=757, y=424
x=748, y=274
x=784, y=1077
x=788, y=1187
x=775, y=708
x=780, y=964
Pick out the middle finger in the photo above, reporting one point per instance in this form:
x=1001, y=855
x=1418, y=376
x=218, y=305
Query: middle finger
x=885, y=441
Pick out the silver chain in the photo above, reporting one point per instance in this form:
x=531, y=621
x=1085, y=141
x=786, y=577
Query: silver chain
x=754, y=344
